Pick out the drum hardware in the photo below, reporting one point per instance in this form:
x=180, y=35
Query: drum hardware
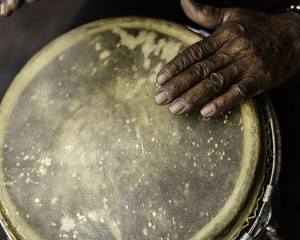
x=200, y=31
x=5, y=230
x=261, y=228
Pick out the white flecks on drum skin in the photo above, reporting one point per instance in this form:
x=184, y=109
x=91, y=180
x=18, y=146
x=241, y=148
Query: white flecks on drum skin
x=67, y=224
x=39, y=170
x=74, y=67
x=81, y=218
x=61, y=57
x=145, y=231
x=75, y=234
x=54, y=200
x=69, y=148
x=64, y=235
x=98, y=46
x=44, y=164
x=94, y=70
x=104, y=54
x=186, y=189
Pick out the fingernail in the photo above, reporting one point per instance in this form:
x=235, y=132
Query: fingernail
x=162, y=77
x=208, y=110
x=161, y=97
x=177, y=107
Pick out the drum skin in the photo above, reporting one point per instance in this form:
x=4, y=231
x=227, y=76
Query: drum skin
x=87, y=154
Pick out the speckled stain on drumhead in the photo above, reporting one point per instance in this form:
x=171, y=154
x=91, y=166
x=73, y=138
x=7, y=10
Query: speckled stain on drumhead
x=87, y=154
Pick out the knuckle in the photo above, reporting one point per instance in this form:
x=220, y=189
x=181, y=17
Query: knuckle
x=13, y=5
x=181, y=83
x=201, y=69
x=208, y=11
x=236, y=70
x=241, y=44
x=224, y=101
x=195, y=51
x=175, y=87
x=215, y=15
x=217, y=80
x=176, y=65
x=233, y=29
x=239, y=92
x=232, y=97
x=195, y=71
x=223, y=57
x=232, y=13
x=236, y=28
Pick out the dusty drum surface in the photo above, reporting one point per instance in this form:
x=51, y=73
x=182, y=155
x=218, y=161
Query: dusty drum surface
x=87, y=154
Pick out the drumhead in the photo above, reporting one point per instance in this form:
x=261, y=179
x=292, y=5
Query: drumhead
x=87, y=154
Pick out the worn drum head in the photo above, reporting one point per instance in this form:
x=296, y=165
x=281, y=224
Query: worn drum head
x=87, y=154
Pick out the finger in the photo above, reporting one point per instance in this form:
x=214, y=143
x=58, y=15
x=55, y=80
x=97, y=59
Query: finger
x=205, y=15
x=13, y=5
x=189, y=56
x=7, y=7
x=191, y=76
x=4, y=11
x=237, y=93
x=201, y=93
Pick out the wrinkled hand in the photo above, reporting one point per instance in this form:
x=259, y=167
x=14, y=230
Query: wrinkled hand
x=8, y=6
x=247, y=54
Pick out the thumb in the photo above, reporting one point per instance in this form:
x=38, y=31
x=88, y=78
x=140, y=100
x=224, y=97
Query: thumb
x=205, y=15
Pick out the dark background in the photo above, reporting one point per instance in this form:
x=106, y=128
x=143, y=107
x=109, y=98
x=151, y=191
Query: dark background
x=33, y=26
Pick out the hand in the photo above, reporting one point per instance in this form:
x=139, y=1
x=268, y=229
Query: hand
x=8, y=6
x=247, y=53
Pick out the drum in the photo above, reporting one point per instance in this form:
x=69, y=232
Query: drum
x=87, y=154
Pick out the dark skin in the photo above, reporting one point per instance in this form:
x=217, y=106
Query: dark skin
x=8, y=6
x=247, y=53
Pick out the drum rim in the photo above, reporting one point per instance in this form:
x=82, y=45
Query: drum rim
x=249, y=118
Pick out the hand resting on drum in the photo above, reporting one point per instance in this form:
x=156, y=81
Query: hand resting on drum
x=8, y=6
x=247, y=53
